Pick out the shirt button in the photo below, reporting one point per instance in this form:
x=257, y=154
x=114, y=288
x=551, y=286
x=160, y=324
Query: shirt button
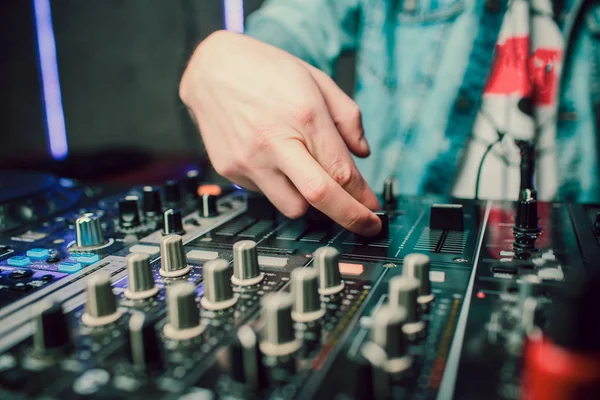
x=463, y=103
x=493, y=6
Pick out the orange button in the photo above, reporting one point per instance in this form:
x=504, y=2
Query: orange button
x=351, y=269
x=214, y=190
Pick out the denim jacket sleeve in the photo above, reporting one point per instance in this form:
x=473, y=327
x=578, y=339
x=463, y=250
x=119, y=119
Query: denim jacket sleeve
x=316, y=31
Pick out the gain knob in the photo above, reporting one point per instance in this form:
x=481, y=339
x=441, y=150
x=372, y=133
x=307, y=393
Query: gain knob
x=218, y=294
x=51, y=328
x=151, y=201
x=144, y=343
x=140, y=281
x=403, y=291
x=192, y=179
x=183, y=312
x=129, y=212
x=327, y=260
x=208, y=205
x=173, y=262
x=173, y=222
x=305, y=294
x=387, y=332
x=278, y=336
x=246, y=271
x=88, y=231
x=245, y=359
x=172, y=192
x=417, y=266
x=101, y=305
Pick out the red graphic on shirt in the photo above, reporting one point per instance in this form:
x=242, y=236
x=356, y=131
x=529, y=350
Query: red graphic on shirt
x=514, y=71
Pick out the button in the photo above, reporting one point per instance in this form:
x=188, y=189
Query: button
x=20, y=274
x=53, y=259
x=351, y=269
x=86, y=258
x=142, y=248
x=21, y=287
x=273, y=262
x=202, y=255
x=18, y=261
x=69, y=267
x=38, y=254
x=47, y=277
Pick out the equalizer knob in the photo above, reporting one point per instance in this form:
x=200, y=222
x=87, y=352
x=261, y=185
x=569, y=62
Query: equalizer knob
x=183, y=312
x=192, y=180
x=245, y=359
x=140, y=281
x=129, y=212
x=526, y=220
x=305, y=294
x=388, y=195
x=218, y=294
x=172, y=191
x=208, y=205
x=278, y=336
x=246, y=271
x=51, y=328
x=101, y=305
x=88, y=231
x=327, y=262
x=387, y=332
x=151, y=201
x=403, y=292
x=144, y=343
x=173, y=222
x=417, y=266
x=173, y=262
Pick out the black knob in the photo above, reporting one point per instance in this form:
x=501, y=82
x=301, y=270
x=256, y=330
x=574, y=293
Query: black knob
x=207, y=205
x=144, y=342
x=388, y=195
x=151, y=201
x=172, y=192
x=260, y=207
x=526, y=221
x=385, y=224
x=192, y=180
x=173, y=222
x=129, y=212
x=51, y=328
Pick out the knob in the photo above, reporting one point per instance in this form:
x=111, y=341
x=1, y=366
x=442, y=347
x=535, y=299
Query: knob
x=88, y=231
x=144, y=343
x=101, y=305
x=305, y=294
x=385, y=224
x=218, y=293
x=129, y=212
x=173, y=262
x=404, y=291
x=192, y=180
x=172, y=222
x=526, y=220
x=246, y=360
x=327, y=260
x=388, y=195
x=208, y=205
x=140, y=281
x=278, y=336
x=172, y=192
x=151, y=199
x=417, y=265
x=51, y=328
x=387, y=332
x=183, y=312
x=246, y=271
x=528, y=288
x=375, y=382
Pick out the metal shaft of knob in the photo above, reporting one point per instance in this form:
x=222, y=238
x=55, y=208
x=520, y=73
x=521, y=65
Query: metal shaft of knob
x=140, y=280
x=278, y=336
x=417, y=266
x=327, y=262
x=101, y=305
x=172, y=257
x=388, y=333
x=218, y=294
x=183, y=312
x=88, y=231
x=403, y=292
x=246, y=271
x=305, y=293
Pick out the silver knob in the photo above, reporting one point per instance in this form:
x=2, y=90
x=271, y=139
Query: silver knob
x=246, y=271
x=417, y=266
x=305, y=294
x=403, y=292
x=278, y=336
x=88, y=231
x=101, y=305
x=183, y=312
x=218, y=293
x=173, y=262
x=51, y=327
x=144, y=343
x=387, y=333
x=140, y=280
x=327, y=262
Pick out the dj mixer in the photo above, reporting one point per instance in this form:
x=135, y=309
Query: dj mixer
x=189, y=290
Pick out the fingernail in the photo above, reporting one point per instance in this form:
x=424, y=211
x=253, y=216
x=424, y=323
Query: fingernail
x=364, y=145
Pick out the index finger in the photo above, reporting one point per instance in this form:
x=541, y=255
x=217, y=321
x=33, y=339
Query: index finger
x=322, y=192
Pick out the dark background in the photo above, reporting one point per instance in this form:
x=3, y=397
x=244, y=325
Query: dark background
x=119, y=62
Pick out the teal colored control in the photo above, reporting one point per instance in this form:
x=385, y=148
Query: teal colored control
x=86, y=258
x=69, y=266
x=18, y=261
x=38, y=254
